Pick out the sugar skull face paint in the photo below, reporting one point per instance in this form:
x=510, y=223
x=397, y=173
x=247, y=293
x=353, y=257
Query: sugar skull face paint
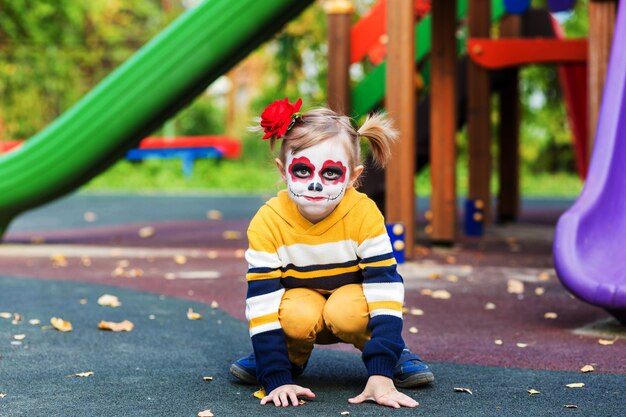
x=317, y=178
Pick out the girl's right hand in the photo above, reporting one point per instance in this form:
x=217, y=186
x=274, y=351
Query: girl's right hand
x=285, y=393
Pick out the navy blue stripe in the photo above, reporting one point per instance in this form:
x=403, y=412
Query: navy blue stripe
x=324, y=283
x=319, y=267
x=380, y=274
x=263, y=286
x=377, y=258
x=263, y=270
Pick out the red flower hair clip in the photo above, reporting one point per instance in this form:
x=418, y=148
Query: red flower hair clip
x=279, y=117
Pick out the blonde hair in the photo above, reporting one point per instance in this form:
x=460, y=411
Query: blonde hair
x=320, y=124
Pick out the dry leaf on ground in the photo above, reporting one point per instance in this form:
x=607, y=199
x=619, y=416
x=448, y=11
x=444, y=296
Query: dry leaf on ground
x=146, y=232
x=607, y=342
x=207, y=378
x=413, y=330
x=214, y=304
x=260, y=394
x=460, y=389
x=108, y=300
x=192, y=315
x=81, y=374
x=576, y=385
x=570, y=406
x=123, y=326
x=550, y=315
x=416, y=312
x=60, y=324
x=587, y=368
x=533, y=392
x=515, y=286
x=205, y=413
x=441, y=294
x=19, y=336
x=2, y=395
x=490, y=306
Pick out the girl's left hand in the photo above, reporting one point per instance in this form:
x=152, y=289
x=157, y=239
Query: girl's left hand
x=381, y=390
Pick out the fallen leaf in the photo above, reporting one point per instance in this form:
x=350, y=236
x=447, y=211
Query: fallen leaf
x=231, y=235
x=576, y=385
x=19, y=337
x=205, y=413
x=607, y=342
x=587, y=368
x=540, y=291
x=123, y=326
x=533, y=392
x=490, y=306
x=81, y=374
x=416, y=312
x=498, y=341
x=108, y=300
x=214, y=214
x=58, y=260
x=83, y=301
x=2, y=395
x=34, y=322
x=467, y=390
x=544, y=276
x=207, y=378
x=441, y=294
x=413, y=330
x=434, y=276
x=345, y=413
x=452, y=278
x=192, y=315
x=260, y=394
x=90, y=216
x=180, y=259
x=426, y=291
x=5, y=315
x=146, y=232
x=301, y=402
x=550, y=315
x=214, y=304
x=570, y=406
x=515, y=286
x=60, y=324
x=521, y=345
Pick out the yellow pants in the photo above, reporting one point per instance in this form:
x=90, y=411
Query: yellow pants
x=308, y=317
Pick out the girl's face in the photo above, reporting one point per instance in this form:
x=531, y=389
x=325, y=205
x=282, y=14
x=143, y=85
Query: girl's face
x=317, y=178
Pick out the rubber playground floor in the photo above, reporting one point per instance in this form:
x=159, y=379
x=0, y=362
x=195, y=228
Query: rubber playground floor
x=503, y=337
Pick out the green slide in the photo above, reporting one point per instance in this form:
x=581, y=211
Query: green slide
x=135, y=99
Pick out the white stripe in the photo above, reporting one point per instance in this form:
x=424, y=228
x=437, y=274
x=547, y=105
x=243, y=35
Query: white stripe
x=327, y=253
x=262, y=259
x=375, y=246
x=385, y=312
x=265, y=328
x=384, y=291
x=265, y=304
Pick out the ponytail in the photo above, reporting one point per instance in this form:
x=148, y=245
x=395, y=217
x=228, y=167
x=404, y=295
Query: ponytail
x=380, y=133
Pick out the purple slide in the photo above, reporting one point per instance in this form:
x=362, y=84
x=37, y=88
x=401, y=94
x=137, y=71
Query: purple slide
x=590, y=240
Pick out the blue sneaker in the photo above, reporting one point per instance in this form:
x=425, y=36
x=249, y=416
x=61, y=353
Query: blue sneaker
x=411, y=371
x=244, y=369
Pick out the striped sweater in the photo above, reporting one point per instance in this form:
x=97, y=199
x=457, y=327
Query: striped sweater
x=351, y=245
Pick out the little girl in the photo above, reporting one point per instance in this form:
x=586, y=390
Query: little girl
x=321, y=267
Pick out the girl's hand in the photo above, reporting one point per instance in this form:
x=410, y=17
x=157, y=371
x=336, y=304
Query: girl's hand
x=283, y=394
x=381, y=390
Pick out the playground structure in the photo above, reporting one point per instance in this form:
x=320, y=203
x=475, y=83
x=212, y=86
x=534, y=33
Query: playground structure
x=125, y=107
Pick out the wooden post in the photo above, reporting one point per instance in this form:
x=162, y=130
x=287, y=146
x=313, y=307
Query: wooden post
x=479, y=112
x=509, y=132
x=339, y=13
x=443, y=122
x=400, y=103
x=602, y=16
